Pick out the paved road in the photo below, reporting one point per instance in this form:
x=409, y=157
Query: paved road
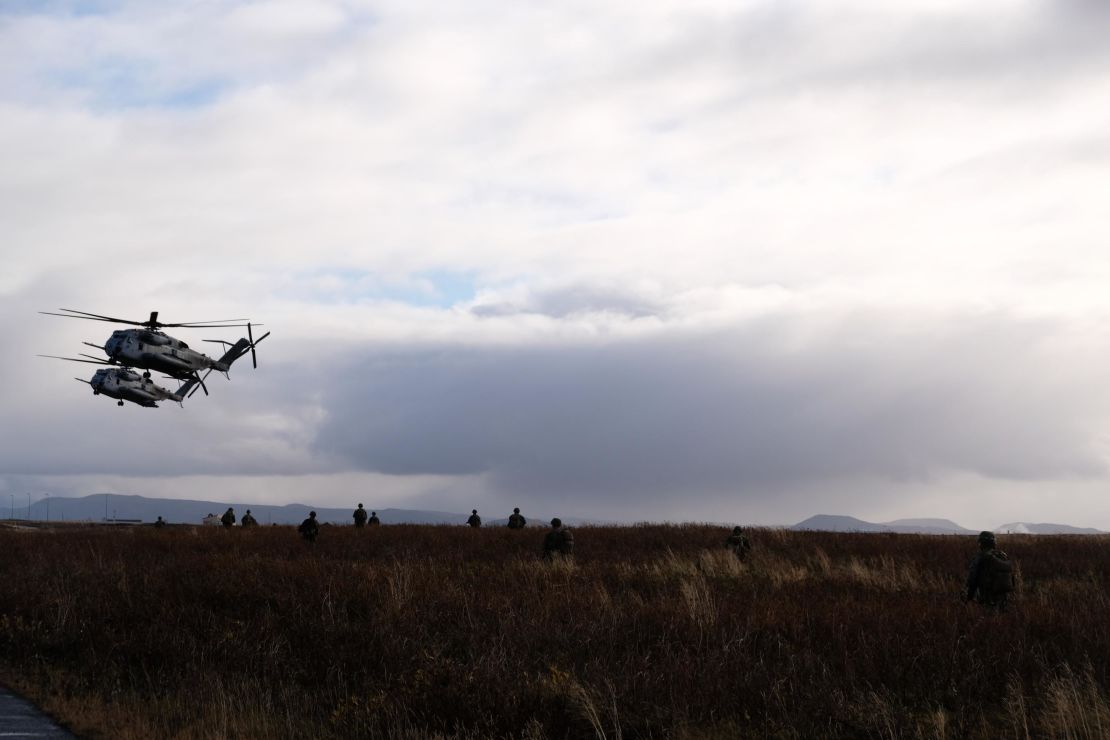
x=19, y=718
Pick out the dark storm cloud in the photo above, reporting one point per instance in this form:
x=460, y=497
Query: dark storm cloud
x=768, y=403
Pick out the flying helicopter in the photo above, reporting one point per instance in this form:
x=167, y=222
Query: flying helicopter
x=127, y=385
x=151, y=349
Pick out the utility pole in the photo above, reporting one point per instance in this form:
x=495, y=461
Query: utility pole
x=28, y=507
x=47, y=508
x=13, y=507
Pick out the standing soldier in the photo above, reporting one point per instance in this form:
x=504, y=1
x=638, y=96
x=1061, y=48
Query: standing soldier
x=248, y=520
x=738, y=543
x=990, y=579
x=160, y=523
x=309, y=527
x=360, y=516
x=374, y=520
x=474, y=520
x=558, y=542
x=228, y=519
x=516, y=521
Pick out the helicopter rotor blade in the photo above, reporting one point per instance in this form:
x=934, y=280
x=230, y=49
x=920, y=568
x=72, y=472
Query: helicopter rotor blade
x=74, y=359
x=90, y=316
x=214, y=324
x=254, y=343
x=201, y=384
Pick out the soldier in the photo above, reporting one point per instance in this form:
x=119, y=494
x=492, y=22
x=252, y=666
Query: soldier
x=248, y=520
x=309, y=527
x=738, y=543
x=474, y=520
x=159, y=523
x=558, y=542
x=360, y=516
x=374, y=520
x=228, y=519
x=516, y=521
x=990, y=579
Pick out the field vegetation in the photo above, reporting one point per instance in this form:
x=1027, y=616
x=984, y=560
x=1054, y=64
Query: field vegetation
x=651, y=631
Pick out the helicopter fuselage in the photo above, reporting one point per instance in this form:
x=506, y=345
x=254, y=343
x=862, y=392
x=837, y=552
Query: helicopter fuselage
x=126, y=385
x=155, y=350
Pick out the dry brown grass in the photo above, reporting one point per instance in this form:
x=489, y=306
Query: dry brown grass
x=650, y=631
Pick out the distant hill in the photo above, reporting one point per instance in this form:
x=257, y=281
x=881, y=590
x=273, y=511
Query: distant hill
x=111, y=506
x=927, y=526
x=98, y=507
x=1026, y=528
x=832, y=523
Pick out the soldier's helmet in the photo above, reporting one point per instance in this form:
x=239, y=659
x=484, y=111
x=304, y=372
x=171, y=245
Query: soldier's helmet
x=360, y=506
x=373, y=513
x=986, y=538
x=248, y=511
x=737, y=529
x=230, y=508
x=312, y=514
x=556, y=522
x=516, y=509
x=473, y=511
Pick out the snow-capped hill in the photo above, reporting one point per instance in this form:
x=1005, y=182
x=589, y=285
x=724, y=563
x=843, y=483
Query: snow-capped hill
x=1027, y=528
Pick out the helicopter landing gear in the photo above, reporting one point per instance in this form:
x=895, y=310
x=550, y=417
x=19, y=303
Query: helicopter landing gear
x=119, y=403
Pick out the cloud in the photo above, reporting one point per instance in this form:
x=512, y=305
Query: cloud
x=786, y=400
x=695, y=247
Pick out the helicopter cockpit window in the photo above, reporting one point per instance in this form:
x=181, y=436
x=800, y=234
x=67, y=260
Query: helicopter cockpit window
x=183, y=346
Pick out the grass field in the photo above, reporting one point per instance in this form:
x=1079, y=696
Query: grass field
x=652, y=631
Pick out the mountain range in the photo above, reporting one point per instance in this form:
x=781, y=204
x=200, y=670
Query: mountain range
x=102, y=507
x=832, y=523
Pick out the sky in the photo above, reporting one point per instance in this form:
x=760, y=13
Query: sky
x=736, y=261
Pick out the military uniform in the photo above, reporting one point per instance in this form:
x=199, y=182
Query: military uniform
x=516, y=521
x=228, y=519
x=309, y=527
x=990, y=575
x=248, y=520
x=738, y=543
x=474, y=520
x=360, y=516
x=559, y=541
x=374, y=520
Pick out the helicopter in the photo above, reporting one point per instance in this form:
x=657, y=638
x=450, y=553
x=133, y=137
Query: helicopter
x=151, y=349
x=127, y=385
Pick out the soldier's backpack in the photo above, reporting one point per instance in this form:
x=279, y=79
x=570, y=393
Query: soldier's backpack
x=996, y=576
x=566, y=543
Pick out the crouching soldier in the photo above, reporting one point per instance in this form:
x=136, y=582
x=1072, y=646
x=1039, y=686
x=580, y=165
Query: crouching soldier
x=738, y=543
x=990, y=579
x=558, y=542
